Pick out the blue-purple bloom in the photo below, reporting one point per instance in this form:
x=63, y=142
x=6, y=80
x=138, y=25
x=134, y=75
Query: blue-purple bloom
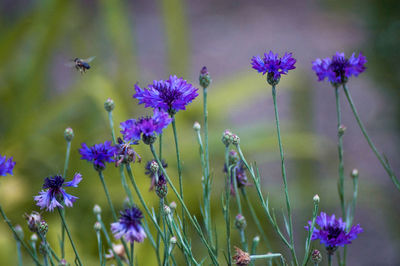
x=98, y=154
x=145, y=127
x=274, y=65
x=6, y=165
x=129, y=225
x=53, y=195
x=332, y=232
x=339, y=69
x=170, y=95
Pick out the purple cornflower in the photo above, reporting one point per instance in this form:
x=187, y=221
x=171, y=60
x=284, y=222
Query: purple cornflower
x=145, y=127
x=129, y=225
x=54, y=195
x=6, y=165
x=273, y=65
x=332, y=232
x=98, y=154
x=339, y=69
x=170, y=95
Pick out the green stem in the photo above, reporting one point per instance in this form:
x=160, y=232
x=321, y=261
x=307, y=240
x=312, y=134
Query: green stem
x=178, y=160
x=309, y=234
x=103, y=182
x=284, y=177
x=255, y=218
x=104, y=230
x=69, y=236
x=329, y=260
x=67, y=155
x=207, y=163
x=340, y=152
x=33, y=246
x=160, y=138
x=131, y=258
x=19, y=255
x=381, y=159
x=265, y=256
x=227, y=205
x=17, y=236
x=100, y=247
x=192, y=220
x=241, y=231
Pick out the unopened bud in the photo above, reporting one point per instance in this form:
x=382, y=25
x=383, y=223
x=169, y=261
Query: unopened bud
x=240, y=222
x=227, y=137
x=161, y=187
x=167, y=210
x=63, y=262
x=172, y=240
x=233, y=157
x=68, y=134
x=97, y=226
x=34, y=237
x=172, y=205
x=235, y=139
x=316, y=256
x=204, y=77
x=96, y=209
x=354, y=173
x=43, y=228
x=19, y=231
x=316, y=199
x=256, y=239
x=109, y=105
x=196, y=126
x=154, y=167
x=341, y=130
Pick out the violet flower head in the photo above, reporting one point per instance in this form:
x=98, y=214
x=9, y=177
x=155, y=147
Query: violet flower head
x=53, y=195
x=98, y=154
x=129, y=225
x=240, y=174
x=170, y=95
x=146, y=128
x=274, y=65
x=339, y=69
x=6, y=165
x=332, y=232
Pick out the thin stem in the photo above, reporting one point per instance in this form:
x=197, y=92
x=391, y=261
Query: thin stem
x=265, y=256
x=18, y=237
x=19, y=254
x=103, y=182
x=241, y=231
x=192, y=220
x=104, y=230
x=160, y=138
x=284, y=177
x=67, y=155
x=309, y=234
x=178, y=160
x=340, y=152
x=329, y=260
x=100, y=247
x=255, y=218
x=131, y=258
x=226, y=207
x=381, y=159
x=33, y=246
x=207, y=164
x=69, y=236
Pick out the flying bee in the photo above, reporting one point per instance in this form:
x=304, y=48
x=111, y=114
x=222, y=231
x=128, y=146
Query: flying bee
x=81, y=64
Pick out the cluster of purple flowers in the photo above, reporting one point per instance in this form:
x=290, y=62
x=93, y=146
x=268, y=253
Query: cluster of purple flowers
x=129, y=226
x=170, y=95
x=6, y=165
x=145, y=127
x=339, y=69
x=53, y=195
x=332, y=232
x=98, y=154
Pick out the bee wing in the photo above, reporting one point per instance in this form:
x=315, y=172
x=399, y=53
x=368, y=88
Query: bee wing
x=69, y=64
x=88, y=60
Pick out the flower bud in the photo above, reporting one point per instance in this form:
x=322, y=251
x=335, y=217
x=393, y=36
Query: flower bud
x=316, y=256
x=154, y=167
x=167, y=210
x=354, y=173
x=196, y=126
x=204, y=77
x=43, y=228
x=227, y=137
x=109, y=105
x=63, y=262
x=316, y=199
x=341, y=130
x=96, y=209
x=240, y=222
x=256, y=239
x=33, y=221
x=68, y=134
x=172, y=205
x=34, y=237
x=233, y=157
x=97, y=226
x=19, y=231
x=172, y=240
x=235, y=139
x=161, y=187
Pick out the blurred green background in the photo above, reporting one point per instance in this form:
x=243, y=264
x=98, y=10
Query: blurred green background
x=138, y=41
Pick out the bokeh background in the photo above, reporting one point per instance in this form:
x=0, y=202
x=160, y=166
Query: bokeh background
x=139, y=41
